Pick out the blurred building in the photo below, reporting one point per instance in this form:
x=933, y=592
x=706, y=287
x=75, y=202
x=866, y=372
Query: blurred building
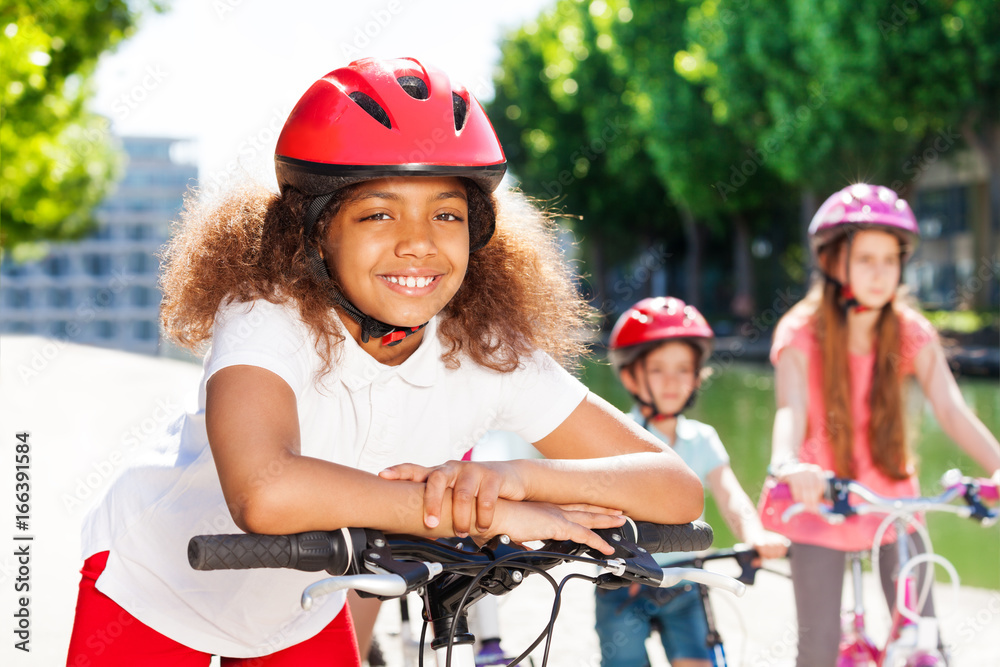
x=103, y=290
x=956, y=265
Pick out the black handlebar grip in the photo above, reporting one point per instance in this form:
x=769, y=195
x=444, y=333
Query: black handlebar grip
x=311, y=552
x=657, y=538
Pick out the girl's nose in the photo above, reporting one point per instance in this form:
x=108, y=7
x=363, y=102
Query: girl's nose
x=416, y=238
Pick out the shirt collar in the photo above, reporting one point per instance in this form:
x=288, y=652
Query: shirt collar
x=685, y=429
x=359, y=369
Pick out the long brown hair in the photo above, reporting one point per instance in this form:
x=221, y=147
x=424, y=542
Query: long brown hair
x=886, y=429
x=518, y=295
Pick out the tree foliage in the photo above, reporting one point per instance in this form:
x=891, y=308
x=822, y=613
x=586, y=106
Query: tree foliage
x=572, y=140
x=58, y=157
x=738, y=108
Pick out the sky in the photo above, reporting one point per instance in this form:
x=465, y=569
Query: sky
x=224, y=74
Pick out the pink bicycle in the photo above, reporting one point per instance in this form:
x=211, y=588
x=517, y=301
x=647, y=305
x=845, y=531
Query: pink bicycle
x=913, y=640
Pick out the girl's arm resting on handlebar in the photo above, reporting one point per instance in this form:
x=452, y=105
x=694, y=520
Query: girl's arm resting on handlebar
x=596, y=457
x=601, y=457
x=951, y=411
x=270, y=488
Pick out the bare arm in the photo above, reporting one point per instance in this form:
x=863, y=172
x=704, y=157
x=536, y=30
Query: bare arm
x=601, y=457
x=791, y=386
x=740, y=513
x=271, y=488
x=951, y=411
x=597, y=457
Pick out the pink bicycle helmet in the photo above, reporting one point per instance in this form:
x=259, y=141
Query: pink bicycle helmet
x=653, y=321
x=863, y=206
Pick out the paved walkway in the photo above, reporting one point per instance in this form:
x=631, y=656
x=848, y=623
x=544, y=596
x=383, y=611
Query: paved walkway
x=88, y=410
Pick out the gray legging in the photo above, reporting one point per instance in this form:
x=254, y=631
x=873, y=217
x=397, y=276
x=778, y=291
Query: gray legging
x=818, y=580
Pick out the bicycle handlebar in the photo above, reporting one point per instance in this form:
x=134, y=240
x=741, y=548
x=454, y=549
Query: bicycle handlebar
x=340, y=552
x=838, y=491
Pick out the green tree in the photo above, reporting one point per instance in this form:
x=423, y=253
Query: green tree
x=719, y=182
x=561, y=111
x=58, y=157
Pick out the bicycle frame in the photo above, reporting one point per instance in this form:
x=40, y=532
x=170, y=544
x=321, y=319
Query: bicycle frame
x=744, y=557
x=912, y=640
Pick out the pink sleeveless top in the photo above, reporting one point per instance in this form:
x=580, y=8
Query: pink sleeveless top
x=797, y=330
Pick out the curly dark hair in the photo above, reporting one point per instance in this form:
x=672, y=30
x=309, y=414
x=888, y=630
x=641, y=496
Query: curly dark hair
x=519, y=292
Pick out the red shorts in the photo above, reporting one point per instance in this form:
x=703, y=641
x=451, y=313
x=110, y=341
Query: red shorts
x=106, y=635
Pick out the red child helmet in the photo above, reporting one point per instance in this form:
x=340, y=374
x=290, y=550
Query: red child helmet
x=381, y=118
x=653, y=321
x=378, y=118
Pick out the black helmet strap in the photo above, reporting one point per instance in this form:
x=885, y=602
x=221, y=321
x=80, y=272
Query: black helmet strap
x=370, y=327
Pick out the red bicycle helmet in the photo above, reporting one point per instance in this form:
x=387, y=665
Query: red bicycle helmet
x=378, y=118
x=653, y=321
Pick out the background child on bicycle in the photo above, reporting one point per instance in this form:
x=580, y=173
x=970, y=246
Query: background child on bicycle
x=840, y=356
x=383, y=308
x=659, y=348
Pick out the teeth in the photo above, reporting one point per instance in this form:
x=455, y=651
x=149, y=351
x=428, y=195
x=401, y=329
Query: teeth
x=410, y=281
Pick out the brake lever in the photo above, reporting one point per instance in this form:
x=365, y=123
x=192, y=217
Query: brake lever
x=629, y=559
x=674, y=575
x=384, y=585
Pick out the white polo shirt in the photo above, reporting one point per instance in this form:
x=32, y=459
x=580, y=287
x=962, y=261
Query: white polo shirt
x=362, y=414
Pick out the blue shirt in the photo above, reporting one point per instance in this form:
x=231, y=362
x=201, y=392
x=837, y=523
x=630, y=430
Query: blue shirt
x=699, y=447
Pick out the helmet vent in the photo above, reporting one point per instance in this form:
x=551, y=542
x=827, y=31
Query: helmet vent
x=371, y=107
x=461, y=110
x=414, y=86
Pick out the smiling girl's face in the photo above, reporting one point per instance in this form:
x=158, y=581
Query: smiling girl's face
x=399, y=247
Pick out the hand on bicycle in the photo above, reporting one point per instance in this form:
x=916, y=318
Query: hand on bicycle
x=807, y=483
x=527, y=521
x=768, y=545
x=476, y=487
